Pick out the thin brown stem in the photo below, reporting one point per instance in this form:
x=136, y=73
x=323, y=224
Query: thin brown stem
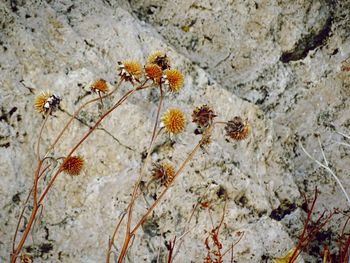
x=158, y=112
x=77, y=112
x=160, y=197
x=155, y=134
x=47, y=114
x=130, y=234
x=36, y=204
x=111, y=240
x=20, y=219
x=103, y=116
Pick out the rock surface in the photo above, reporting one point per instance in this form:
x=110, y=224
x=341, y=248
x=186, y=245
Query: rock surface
x=276, y=63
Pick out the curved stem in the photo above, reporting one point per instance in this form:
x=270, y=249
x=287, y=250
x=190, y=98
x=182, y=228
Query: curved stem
x=36, y=204
x=83, y=139
x=40, y=134
x=158, y=112
x=77, y=112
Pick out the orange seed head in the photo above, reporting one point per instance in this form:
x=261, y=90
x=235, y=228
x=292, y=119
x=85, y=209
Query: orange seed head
x=159, y=58
x=237, y=129
x=163, y=172
x=73, y=165
x=153, y=72
x=99, y=85
x=174, y=79
x=173, y=121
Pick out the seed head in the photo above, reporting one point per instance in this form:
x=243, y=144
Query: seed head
x=99, y=85
x=159, y=58
x=26, y=258
x=46, y=101
x=237, y=129
x=173, y=121
x=40, y=100
x=153, y=72
x=163, y=172
x=73, y=165
x=130, y=70
x=174, y=79
x=203, y=116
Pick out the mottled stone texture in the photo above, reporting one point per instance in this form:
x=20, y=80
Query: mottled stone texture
x=276, y=63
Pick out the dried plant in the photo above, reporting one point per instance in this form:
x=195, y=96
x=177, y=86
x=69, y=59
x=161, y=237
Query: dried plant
x=155, y=74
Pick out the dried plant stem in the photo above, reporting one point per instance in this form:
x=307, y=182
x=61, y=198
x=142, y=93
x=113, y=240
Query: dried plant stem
x=37, y=204
x=102, y=117
x=77, y=112
x=309, y=232
x=158, y=112
x=326, y=167
x=111, y=240
x=40, y=134
x=134, y=196
x=156, y=202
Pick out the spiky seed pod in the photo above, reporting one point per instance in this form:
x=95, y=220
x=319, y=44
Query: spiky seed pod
x=163, y=172
x=174, y=79
x=173, y=121
x=99, y=85
x=203, y=116
x=153, y=72
x=159, y=58
x=46, y=101
x=73, y=165
x=237, y=129
x=130, y=70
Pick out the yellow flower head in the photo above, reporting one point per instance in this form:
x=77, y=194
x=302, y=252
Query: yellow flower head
x=73, y=165
x=174, y=79
x=130, y=70
x=46, y=101
x=173, y=121
x=159, y=58
x=40, y=100
x=99, y=85
x=153, y=72
x=237, y=129
x=163, y=172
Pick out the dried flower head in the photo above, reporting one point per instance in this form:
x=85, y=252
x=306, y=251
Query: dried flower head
x=73, y=165
x=130, y=70
x=163, y=172
x=174, y=79
x=99, y=85
x=173, y=121
x=46, y=101
x=153, y=72
x=159, y=58
x=237, y=129
x=26, y=258
x=203, y=116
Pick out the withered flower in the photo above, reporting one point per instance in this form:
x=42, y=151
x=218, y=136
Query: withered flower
x=46, y=101
x=73, y=165
x=173, y=121
x=153, y=72
x=203, y=116
x=159, y=58
x=130, y=70
x=237, y=129
x=163, y=172
x=26, y=258
x=174, y=79
x=99, y=85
